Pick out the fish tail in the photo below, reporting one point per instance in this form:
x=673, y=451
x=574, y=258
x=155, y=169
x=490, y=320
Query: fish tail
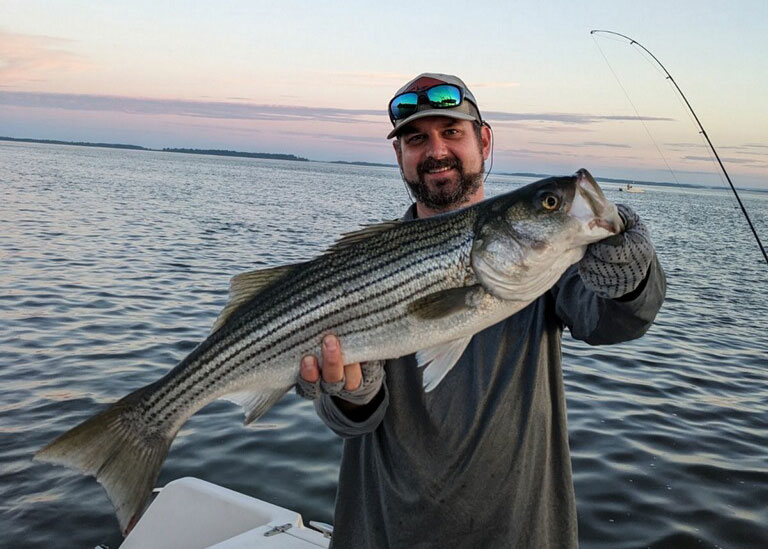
x=120, y=450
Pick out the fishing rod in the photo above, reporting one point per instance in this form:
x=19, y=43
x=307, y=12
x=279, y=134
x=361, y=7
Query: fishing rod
x=702, y=130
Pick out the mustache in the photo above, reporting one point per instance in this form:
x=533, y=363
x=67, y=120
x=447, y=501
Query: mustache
x=435, y=164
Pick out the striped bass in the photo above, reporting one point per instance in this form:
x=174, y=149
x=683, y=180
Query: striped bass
x=422, y=286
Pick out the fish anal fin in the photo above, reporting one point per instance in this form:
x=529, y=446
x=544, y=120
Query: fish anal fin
x=245, y=286
x=255, y=403
x=444, y=303
x=439, y=360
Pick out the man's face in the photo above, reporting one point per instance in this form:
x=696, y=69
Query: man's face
x=442, y=161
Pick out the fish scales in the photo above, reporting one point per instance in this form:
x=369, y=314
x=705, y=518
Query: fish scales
x=312, y=303
x=423, y=286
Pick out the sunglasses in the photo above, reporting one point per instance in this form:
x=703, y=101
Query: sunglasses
x=442, y=96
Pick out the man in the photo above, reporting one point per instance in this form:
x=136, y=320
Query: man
x=483, y=460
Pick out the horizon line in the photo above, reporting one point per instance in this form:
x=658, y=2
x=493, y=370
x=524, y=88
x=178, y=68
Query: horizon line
x=289, y=157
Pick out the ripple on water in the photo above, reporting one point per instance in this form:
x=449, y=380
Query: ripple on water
x=116, y=263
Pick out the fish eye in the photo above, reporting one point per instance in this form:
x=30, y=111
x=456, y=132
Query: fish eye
x=550, y=201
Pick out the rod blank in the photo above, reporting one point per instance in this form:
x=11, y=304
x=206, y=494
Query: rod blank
x=703, y=132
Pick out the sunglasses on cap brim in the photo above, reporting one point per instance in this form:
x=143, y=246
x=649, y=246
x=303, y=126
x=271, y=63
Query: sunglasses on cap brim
x=441, y=96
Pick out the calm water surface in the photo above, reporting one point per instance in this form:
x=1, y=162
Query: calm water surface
x=114, y=264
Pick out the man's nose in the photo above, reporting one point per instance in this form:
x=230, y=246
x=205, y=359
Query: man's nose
x=438, y=148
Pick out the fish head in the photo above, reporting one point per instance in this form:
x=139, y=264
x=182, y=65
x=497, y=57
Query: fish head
x=597, y=216
x=526, y=239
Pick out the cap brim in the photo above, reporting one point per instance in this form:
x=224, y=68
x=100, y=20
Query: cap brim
x=448, y=113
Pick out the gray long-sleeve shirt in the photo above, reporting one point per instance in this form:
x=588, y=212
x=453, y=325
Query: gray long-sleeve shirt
x=483, y=459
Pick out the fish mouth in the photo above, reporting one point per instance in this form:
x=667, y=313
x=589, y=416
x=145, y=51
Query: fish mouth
x=591, y=207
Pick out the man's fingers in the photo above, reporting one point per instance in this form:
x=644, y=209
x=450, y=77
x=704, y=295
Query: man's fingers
x=333, y=365
x=309, y=370
x=334, y=369
x=353, y=375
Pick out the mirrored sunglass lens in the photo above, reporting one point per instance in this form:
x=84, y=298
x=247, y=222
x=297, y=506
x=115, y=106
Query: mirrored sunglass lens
x=444, y=96
x=404, y=105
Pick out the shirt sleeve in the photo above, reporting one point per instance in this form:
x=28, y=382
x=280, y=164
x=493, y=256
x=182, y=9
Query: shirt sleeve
x=600, y=321
x=342, y=425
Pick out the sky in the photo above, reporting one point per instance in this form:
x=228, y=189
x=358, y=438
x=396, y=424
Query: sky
x=314, y=78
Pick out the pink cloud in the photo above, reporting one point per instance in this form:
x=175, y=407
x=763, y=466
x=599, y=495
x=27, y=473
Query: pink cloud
x=28, y=58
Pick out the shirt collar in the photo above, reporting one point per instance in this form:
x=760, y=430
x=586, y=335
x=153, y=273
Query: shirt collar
x=410, y=213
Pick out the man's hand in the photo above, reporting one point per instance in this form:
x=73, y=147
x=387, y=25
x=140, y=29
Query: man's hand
x=616, y=266
x=353, y=383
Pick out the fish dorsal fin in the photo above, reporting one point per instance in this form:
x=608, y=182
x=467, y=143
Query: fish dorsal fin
x=255, y=403
x=349, y=239
x=439, y=360
x=250, y=283
x=244, y=286
x=444, y=303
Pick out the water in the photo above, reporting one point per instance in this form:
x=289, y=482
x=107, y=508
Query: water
x=114, y=264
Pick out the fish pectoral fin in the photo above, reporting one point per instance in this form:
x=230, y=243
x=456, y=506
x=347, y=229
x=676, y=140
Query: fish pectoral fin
x=444, y=303
x=439, y=360
x=244, y=286
x=255, y=403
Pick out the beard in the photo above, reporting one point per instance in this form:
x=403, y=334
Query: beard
x=444, y=195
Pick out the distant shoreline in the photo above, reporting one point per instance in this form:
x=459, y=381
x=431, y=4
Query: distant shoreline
x=294, y=158
x=75, y=143
x=224, y=152
x=210, y=152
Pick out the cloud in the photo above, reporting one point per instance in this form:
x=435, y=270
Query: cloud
x=749, y=154
x=567, y=118
x=344, y=138
x=683, y=146
x=583, y=144
x=548, y=129
x=241, y=109
x=728, y=160
x=549, y=153
x=196, y=109
x=752, y=149
x=26, y=58
x=529, y=152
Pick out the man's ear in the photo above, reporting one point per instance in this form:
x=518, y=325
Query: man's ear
x=485, y=137
x=398, y=153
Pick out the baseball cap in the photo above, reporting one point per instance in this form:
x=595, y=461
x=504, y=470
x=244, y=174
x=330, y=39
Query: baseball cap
x=466, y=110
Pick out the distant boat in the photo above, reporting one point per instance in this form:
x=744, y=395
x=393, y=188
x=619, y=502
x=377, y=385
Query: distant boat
x=630, y=188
